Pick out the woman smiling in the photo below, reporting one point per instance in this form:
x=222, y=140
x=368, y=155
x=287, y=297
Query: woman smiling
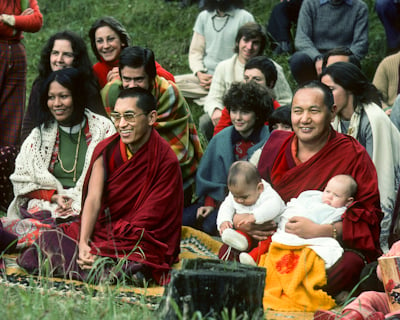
x=108, y=37
x=51, y=166
x=249, y=106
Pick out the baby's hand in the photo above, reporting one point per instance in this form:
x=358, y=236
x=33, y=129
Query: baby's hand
x=248, y=220
x=225, y=225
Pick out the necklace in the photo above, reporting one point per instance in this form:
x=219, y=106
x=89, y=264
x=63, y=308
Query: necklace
x=76, y=158
x=213, y=23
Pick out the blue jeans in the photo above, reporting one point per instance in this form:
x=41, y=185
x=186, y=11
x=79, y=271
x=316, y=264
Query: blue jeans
x=208, y=224
x=388, y=12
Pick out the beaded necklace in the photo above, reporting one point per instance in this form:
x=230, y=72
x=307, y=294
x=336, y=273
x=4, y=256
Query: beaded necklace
x=76, y=157
x=213, y=23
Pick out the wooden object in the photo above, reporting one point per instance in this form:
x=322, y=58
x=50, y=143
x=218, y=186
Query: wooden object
x=390, y=270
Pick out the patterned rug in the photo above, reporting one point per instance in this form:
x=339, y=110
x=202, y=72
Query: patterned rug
x=194, y=245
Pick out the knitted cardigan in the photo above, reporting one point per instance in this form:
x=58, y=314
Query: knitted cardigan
x=32, y=165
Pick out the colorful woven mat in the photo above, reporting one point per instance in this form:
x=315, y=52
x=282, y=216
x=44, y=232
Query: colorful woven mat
x=194, y=244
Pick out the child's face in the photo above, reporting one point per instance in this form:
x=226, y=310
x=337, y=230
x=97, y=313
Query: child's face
x=282, y=126
x=246, y=194
x=337, y=194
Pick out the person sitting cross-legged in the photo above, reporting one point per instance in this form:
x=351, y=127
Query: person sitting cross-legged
x=306, y=159
x=132, y=206
x=51, y=166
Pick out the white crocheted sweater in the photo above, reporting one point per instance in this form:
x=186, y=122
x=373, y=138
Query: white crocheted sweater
x=32, y=164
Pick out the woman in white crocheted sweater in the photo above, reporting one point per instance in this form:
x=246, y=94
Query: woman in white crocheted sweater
x=51, y=166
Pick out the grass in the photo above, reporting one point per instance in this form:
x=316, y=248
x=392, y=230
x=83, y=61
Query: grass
x=42, y=304
x=166, y=29
x=162, y=26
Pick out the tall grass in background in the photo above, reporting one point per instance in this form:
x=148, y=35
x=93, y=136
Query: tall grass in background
x=166, y=28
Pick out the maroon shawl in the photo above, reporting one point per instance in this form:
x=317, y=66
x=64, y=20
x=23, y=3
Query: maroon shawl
x=141, y=212
x=341, y=155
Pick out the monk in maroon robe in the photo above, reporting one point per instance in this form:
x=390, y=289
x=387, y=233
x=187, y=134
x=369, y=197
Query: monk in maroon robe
x=132, y=203
x=306, y=159
x=340, y=155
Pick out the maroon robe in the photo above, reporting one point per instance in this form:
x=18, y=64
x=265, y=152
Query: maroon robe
x=141, y=211
x=341, y=155
x=361, y=222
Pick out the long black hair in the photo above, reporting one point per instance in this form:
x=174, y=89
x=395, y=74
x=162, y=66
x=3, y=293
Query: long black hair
x=351, y=78
x=69, y=78
x=90, y=89
x=81, y=58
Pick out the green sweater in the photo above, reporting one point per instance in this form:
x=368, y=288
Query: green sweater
x=67, y=152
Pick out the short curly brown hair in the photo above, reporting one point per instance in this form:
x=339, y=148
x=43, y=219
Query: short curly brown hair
x=250, y=97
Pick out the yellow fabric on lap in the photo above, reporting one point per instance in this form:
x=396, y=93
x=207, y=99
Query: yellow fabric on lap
x=294, y=276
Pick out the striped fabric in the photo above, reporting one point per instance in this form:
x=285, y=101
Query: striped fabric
x=12, y=90
x=174, y=123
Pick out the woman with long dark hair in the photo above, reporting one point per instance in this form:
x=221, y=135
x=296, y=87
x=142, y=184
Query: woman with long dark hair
x=51, y=166
x=64, y=49
x=359, y=114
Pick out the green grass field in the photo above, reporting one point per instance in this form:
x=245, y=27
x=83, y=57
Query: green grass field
x=166, y=29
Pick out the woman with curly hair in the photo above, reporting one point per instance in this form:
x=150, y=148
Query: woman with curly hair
x=64, y=49
x=249, y=106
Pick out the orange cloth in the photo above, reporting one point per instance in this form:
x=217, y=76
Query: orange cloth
x=294, y=276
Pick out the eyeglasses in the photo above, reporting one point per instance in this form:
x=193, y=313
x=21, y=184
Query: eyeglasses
x=128, y=116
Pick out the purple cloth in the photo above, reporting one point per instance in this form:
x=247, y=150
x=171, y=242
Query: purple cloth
x=8, y=240
x=59, y=253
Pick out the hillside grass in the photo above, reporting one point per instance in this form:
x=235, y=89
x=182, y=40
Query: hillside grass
x=166, y=29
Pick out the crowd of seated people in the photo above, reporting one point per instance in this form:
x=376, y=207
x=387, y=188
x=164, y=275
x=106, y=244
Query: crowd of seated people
x=111, y=163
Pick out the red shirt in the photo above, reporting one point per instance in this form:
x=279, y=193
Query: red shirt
x=28, y=23
x=225, y=120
